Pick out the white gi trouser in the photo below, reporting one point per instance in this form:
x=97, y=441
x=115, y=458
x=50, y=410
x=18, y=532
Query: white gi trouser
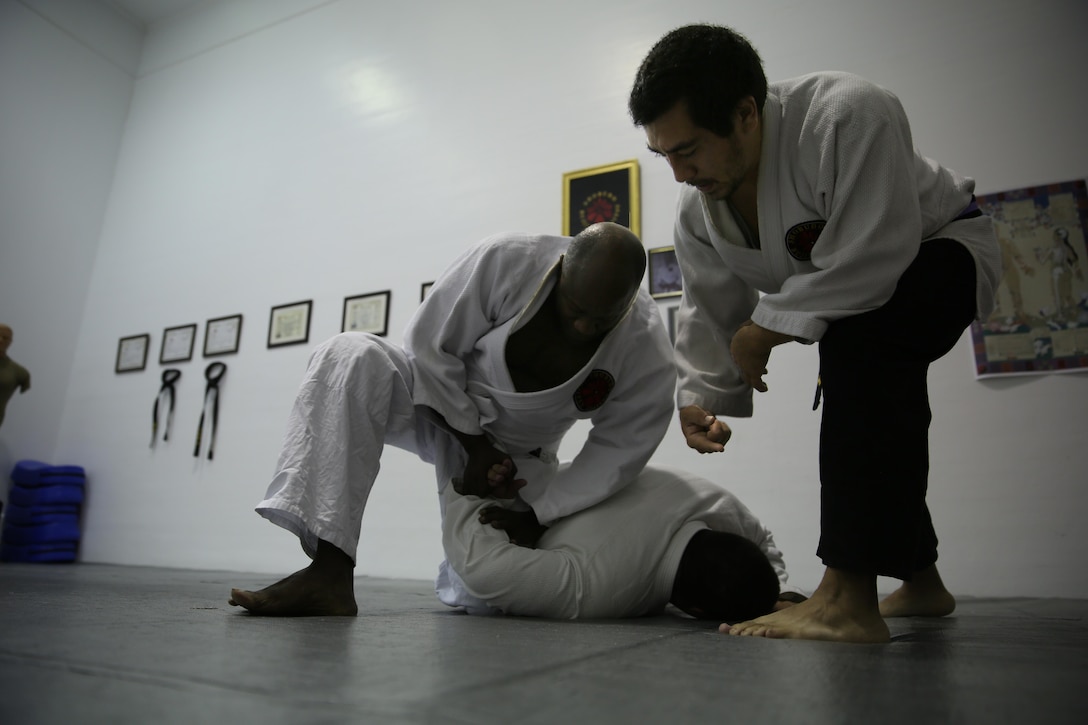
x=355, y=399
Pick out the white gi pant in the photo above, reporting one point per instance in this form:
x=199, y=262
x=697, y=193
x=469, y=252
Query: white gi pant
x=355, y=399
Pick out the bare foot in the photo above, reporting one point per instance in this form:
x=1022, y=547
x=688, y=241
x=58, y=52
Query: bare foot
x=842, y=609
x=323, y=589
x=923, y=596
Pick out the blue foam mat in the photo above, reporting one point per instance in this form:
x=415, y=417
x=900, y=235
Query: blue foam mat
x=45, y=495
x=62, y=528
x=36, y=473
x=62, y=552
x=37, y=514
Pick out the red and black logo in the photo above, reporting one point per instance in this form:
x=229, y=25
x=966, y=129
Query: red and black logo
x=600, y=206
x=802, y=238
x=592, y=393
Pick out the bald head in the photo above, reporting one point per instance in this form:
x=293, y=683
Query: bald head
x=607, y=254
x=599, y=277
x=5, y=339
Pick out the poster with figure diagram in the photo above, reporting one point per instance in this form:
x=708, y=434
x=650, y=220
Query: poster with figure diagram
x=1040, y=321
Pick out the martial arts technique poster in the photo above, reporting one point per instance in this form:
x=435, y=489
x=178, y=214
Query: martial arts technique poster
x=1040, y=322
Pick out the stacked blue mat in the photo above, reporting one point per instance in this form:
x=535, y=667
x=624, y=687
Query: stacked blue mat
x=41, y=520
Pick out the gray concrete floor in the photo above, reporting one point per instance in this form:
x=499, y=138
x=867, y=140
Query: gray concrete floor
x=90, y=643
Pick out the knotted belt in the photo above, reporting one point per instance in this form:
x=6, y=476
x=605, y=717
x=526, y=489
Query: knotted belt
x=213, y=374
x=169, y=377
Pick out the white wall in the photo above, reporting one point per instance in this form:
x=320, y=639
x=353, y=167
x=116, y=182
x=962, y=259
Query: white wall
x=298, y=149
x=66, y=76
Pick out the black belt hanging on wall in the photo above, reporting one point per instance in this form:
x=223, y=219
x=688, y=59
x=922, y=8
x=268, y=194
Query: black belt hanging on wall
x=169, y=377
x=213, y=374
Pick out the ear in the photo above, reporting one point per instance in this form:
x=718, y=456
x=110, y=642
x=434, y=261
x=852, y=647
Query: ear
x=747, y=113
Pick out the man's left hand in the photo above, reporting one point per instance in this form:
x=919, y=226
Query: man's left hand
x=521, y=526
x=751, y=349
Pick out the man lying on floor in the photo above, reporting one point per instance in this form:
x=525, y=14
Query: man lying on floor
x=669, y=537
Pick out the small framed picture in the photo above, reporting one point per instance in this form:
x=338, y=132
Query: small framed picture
x=221, y=335
x=665, y=280
x=601, y=194
x=367, y=313
x=670, y=319
x=424, y=290
x=290, y=324
x=177, y=344
x=132, y=353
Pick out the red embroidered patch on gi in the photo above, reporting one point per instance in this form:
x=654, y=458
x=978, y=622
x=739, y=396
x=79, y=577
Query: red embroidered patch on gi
x=592, y=393
x=802, y=238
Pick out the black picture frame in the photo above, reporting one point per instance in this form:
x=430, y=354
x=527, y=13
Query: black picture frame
x=222, y=335
x=132, y=353
x=177, y=344
x=290, y=324
x=608, y=193
x=367, y=313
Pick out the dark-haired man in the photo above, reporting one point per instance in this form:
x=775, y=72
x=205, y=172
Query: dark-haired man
x=669, y=536
x=519, y=338
x=811, y=191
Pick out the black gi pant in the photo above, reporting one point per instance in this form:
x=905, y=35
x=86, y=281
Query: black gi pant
x=874, y=434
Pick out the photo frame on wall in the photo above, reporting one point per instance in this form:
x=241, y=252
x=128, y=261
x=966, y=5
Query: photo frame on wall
x=608, y=193
x=177, y=344
x=221, y=335
x=664, y=270
x=367, y=313
x=424, y=290
x=132, y=353
x=289, y=324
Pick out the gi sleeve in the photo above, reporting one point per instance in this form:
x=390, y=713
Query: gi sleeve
x=714, y=304
x=464, y=303
x=626, y=429
x=857, y=154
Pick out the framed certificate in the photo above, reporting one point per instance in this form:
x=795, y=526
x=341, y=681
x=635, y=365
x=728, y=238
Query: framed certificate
x=289, y=324
x=221, y=335
x=367, y=313
x=177, y=344
x=132, y=353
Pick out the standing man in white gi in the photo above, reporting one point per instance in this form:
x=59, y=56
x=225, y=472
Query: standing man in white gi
x=669, y=536
x=812, y=192
x=519, y=338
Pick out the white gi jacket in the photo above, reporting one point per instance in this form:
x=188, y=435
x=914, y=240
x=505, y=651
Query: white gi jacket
x=844, y=201
x=456, y=345
x=616, y=559
x=362, y=393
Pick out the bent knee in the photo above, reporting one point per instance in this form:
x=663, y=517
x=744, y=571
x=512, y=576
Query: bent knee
x=358, y=355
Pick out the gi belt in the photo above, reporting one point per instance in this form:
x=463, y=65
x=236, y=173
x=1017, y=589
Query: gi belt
x=169, y=377
x=213, y=374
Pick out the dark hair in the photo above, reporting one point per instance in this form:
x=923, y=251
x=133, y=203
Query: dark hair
x=709, y=67
x=724, y=577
